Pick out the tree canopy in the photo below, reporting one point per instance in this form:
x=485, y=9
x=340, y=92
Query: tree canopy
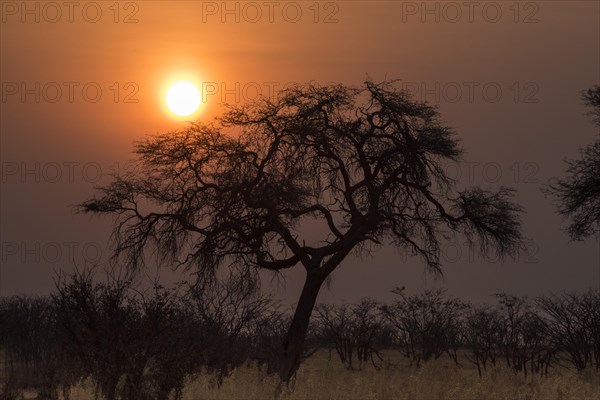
x=372, y=172
x=578, y=194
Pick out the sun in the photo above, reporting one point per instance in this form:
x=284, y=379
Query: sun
x=183, y=98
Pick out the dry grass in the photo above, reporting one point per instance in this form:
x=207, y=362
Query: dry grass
x=319, y=378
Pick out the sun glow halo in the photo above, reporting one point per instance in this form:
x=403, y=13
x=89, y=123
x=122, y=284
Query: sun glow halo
x=183, y=98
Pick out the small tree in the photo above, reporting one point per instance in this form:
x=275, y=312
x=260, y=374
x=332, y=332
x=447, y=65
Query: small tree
x=355, y=331
x=100, y=322
x=365, y=164
x=482, y=333
x=228, y=312
x=167, y=335
x=427, y=325
x=573, y=325
x=525, y=344
x=32, y=348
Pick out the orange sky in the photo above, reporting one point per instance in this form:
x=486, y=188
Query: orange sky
x=548, y=61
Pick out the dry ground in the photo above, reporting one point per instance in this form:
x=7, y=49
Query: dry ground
x=321, y=378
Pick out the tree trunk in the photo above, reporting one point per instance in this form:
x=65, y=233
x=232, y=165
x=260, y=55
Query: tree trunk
x=293, y=344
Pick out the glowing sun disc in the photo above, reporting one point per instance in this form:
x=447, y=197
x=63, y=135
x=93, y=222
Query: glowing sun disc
x=183, y=98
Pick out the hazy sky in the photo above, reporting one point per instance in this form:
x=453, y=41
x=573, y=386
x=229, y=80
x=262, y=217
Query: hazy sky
x=82, y=80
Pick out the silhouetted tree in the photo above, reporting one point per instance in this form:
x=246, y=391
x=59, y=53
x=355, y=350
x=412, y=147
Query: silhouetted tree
x=482, y=335
x=363, y=165
x=573, y=322
x=591, y=98
x=355, y=331
x=142, y=344
x=525, y=344
x=230, y=312
x=578, y=194
x=426, y=324
x=101, y=323
x=32, y=349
